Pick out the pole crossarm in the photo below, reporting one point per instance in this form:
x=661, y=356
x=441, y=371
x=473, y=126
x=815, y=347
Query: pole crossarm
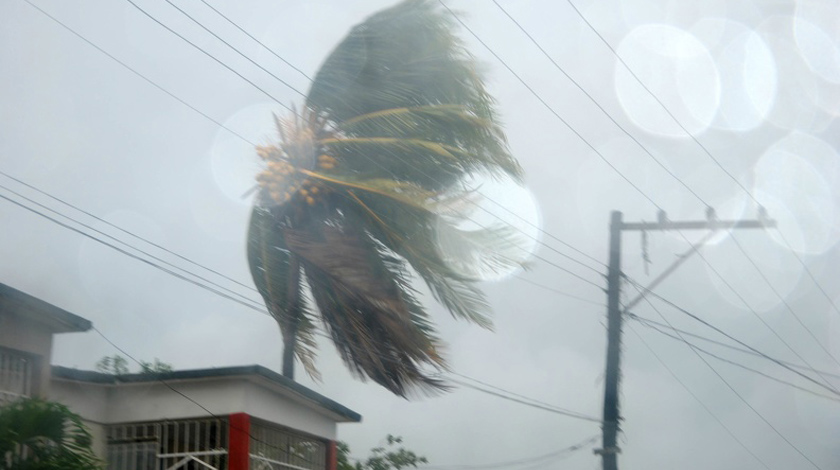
x=612, y=414
x=697, y=225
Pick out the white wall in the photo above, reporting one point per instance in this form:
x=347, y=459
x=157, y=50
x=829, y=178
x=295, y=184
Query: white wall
x=153, y=401
x=263, y=403
x=31, y=337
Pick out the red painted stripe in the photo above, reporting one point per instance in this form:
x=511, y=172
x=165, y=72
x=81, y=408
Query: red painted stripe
x=239, y=441
x=332, y=456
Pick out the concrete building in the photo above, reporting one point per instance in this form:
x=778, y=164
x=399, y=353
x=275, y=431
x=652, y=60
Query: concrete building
x=231, y=418
x=27, y=325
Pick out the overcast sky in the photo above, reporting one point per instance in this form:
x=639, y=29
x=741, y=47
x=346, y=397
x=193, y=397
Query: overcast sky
x=756, y=83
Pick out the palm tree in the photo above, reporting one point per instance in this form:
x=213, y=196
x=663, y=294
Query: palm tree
x=365, y=184
x=42, y=435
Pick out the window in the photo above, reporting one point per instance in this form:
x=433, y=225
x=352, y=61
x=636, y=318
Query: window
x=276, y=448
x=15, y=375
x=196, y=444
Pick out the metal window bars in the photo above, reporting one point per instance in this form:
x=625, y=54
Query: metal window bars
x=193, y=444
x=276, y=448
x=15, y=375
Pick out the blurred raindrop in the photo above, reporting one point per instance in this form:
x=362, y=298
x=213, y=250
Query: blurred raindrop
x=796, y=180
x=816, y=29
x=802, y=96
x=748, y=76
x=234, y=162
x=517, y=203
x=678, y=69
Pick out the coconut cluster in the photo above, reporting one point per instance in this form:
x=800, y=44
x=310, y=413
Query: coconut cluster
x=284, y=182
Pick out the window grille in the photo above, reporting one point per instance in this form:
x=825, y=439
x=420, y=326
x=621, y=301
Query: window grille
x=277, y=448
x=197, y=444
x=15, y=375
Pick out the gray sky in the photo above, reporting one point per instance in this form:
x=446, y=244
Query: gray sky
x=757, y=83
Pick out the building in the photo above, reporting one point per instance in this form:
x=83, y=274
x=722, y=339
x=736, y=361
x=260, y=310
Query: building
x=27, y=325
x=231, y=418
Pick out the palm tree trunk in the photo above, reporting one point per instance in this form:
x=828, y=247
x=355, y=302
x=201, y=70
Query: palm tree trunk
x=290, y=332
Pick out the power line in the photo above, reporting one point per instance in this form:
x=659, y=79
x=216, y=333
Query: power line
x=533, y=404
x=93, y=229
x=698, y=400
x=808, y=271
x=784, y=301
x=288, y=108
x=731, y=388
x=236, y=50
x=649, y=322
x=652, y=94
x=545, y=260
x=755, y=314
x=558, y=291
x=257, y=40
x=550, y=109
x=127, y=232
x=515, y=463
x=135, y=72
x=727, y=335
x=599, y=106
x=520, y=395
x=139, y=258
x=734, y=363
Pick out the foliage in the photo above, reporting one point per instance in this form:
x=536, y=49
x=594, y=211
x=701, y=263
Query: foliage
x=42, y=435
x=113, y=365
x=117, y=365
x=155, y=367
x=365, y=184
x=381, y=458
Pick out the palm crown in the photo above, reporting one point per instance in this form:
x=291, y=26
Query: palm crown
x=365, y=184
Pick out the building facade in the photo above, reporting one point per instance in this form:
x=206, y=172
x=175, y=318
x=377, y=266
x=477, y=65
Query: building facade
x=231, y=418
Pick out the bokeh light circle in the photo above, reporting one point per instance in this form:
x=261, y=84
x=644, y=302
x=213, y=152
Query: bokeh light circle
x=749, y=82
x=816, y=30
x=804, y=101
x=234, y=162
x=678, y=69
x=494, y=204
x=796, y=180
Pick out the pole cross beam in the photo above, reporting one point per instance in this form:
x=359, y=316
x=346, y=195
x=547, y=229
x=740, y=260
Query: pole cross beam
x=612, y=418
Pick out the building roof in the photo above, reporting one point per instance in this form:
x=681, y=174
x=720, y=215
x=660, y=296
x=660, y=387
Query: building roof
x=24, y=305
x=290, y=387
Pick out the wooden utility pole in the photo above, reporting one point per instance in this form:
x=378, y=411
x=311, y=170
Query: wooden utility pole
x=612, y=417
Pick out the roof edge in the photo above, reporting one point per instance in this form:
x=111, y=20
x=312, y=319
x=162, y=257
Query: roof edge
x=312, y=396
x=41, y=311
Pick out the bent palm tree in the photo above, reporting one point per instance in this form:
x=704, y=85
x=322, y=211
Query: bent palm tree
x=365, y=184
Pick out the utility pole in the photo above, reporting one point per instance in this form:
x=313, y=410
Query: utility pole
x=612, y=417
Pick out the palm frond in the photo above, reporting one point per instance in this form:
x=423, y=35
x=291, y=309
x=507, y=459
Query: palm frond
x=479, y=144
x=450, y=260
x=379, y=329
x=406, y=57
x=402, y=192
